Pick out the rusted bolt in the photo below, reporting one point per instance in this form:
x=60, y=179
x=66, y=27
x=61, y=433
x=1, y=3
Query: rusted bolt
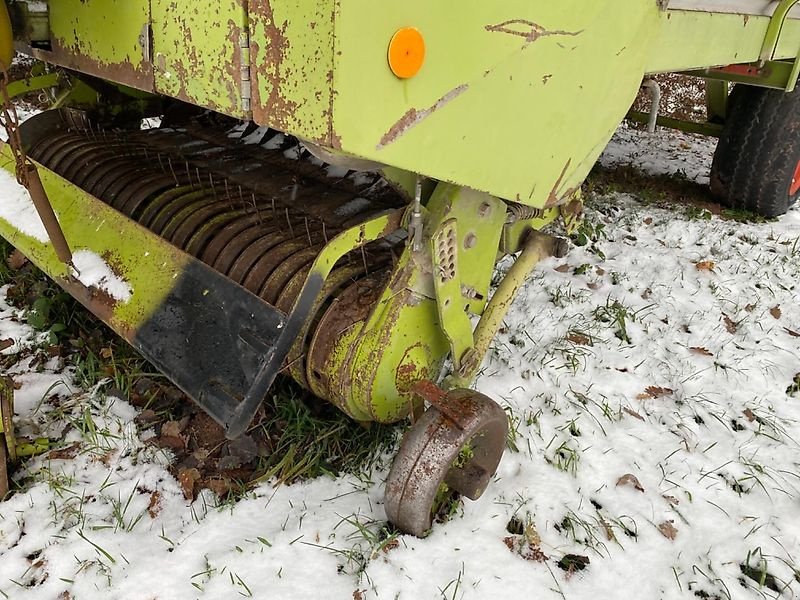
x=484, y=210
x=470, y=241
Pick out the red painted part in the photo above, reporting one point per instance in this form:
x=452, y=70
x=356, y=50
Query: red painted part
x=795, y=187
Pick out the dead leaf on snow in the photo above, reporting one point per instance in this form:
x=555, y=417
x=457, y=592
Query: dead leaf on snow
x=6, y=344
x=654, y=391
x=672, y=500
x=631, y=480
x=705, y=265
x=730, y=324
x=609, y=532
x=67, y=453
x=563, y=268
x=749, y=415
x=154, y=507
x=668, y=530
x=600, y=271
x=646, y=294
x=700, y=350
x=64, y=596
x=791, y=333
x=648, y=220
x=750, y=307
x=187, y=478
x=633, y=413
x=775, y=311
x=580, y=339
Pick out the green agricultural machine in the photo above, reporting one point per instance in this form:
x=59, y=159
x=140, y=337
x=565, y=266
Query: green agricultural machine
x=325, y=186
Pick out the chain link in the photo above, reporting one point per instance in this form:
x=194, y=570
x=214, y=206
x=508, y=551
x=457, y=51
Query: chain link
x=10, y=121
x=28, y=176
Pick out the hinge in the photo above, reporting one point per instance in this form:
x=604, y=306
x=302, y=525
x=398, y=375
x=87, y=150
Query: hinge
x=247, y=93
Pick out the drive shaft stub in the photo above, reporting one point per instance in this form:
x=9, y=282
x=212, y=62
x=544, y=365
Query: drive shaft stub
x=438, y=451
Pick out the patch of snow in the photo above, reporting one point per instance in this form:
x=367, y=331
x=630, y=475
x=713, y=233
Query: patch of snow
x=16, y=207
x=667, y=352
x=96, y=272
x=665, y=152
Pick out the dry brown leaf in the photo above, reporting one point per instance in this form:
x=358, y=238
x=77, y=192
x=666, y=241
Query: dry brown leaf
x=791, y=333
x=631, y=480
x=358, y=595
x=654, y=392
x=221, y=486
x=580, y=339
x=5, y=344
x=646, y=294
x=700, y=350
x=609, y=532
x=592, y=285
x=154, y=507
x=750, y=307
x=16, y=260
x=67, y=453
x=65, y=595
x=705, y=265
x=172, y=429
x=563, y=268
x=672, y=500
x=775, y=311
x=648, y=220
x=600, y=271
x=187, y=478
x=633, y=413
x=749, y=415
x=730, y=324
x=668, y=530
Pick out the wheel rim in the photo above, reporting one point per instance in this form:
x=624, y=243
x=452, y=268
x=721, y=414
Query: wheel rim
x=795, y=186
x=429, y=452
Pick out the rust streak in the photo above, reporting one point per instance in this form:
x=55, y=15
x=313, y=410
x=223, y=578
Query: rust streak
x=554, y=196
x=527, y=29
x=413, y=117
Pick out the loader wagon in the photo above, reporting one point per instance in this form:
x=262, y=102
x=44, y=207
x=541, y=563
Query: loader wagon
x=329, y=184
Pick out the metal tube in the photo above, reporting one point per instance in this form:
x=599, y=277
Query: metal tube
x=416, y=217
x=536, y=247
x=655, y=97
x=47, y=215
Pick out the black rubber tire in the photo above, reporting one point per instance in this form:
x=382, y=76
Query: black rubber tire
x=758, y=152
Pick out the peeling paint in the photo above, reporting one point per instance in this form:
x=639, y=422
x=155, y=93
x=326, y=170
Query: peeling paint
x=413, y=117
x=528, y=30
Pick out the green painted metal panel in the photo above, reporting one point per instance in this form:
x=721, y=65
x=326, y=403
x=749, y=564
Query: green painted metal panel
x=517, y=99
x=292, y=50
x=107, y=38
x=148, y=264
x=198, y=52
x=694, y=40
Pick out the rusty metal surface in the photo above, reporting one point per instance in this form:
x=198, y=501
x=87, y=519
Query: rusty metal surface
x=351, y=307
x=260, y=216
x=433, y=453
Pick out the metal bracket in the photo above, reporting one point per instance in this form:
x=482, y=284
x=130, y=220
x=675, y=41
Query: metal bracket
x=447, y=285
x=765, y=72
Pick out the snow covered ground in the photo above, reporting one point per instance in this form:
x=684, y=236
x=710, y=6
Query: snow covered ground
x=649, y=379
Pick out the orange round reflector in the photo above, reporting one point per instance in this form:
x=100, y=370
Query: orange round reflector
x=406, y=52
